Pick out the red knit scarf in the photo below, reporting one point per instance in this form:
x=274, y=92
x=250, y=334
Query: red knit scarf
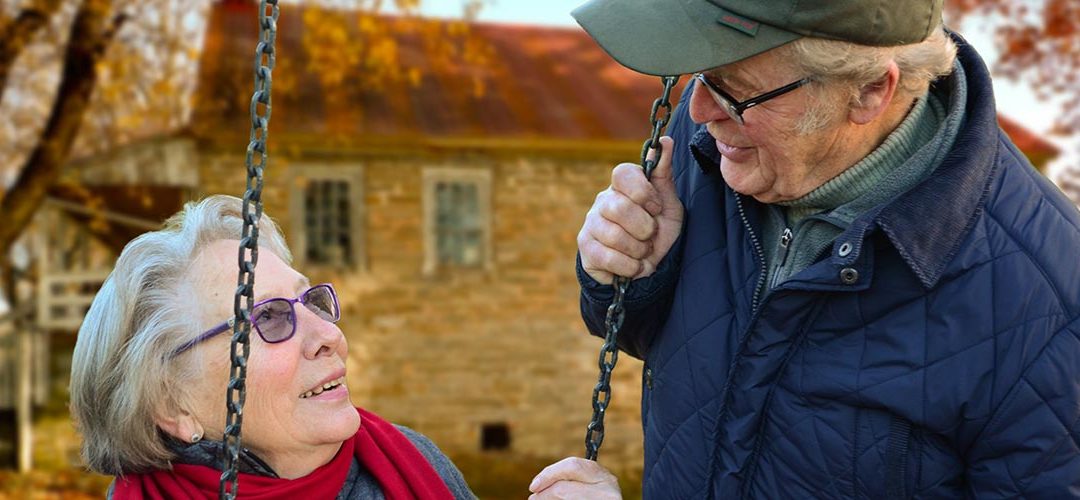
x=402, y=472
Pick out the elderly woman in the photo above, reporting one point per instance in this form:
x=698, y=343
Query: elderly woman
x=848, y=282
x=151, y=365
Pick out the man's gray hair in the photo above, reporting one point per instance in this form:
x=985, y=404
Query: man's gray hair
x=123, y=372
x=831, y=64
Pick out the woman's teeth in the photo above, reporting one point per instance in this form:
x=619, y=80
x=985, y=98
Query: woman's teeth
x=325, y=387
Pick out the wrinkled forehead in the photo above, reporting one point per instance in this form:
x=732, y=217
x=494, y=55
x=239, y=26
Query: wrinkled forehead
x=213, y=274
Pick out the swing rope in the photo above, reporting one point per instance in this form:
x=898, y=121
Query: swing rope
x=248, y=256
x=616, y=313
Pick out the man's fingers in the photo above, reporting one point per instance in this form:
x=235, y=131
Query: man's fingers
x=597, y=258
x=620, y=209
x=614, y=236
x=629, y=180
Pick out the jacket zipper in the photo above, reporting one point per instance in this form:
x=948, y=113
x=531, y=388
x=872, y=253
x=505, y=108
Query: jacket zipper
x=726, y=391
x=759, y=252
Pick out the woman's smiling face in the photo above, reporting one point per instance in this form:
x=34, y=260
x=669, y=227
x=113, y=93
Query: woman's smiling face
x=297, y=402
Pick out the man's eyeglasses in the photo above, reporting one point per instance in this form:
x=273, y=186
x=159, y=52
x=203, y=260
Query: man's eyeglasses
x=733, y=107
x=275, y=319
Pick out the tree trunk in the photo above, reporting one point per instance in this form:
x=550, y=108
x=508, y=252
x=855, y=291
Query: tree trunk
x=90, y=34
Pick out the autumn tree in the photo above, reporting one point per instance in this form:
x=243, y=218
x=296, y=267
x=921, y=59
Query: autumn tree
x=1039, y=44
x=82, y=76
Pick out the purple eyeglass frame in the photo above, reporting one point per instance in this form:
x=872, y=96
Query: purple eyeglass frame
x=227, y=325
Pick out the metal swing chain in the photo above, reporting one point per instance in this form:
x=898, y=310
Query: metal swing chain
x=249, y=246
x=616, y=313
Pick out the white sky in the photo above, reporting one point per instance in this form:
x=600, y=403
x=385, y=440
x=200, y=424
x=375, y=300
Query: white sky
x=1015, y=101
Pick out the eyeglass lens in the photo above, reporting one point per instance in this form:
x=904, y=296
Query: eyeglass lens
x=320, y=300
x=275, y=319
x=724, y=103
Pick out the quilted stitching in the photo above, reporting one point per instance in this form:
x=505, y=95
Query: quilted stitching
x=983, y=363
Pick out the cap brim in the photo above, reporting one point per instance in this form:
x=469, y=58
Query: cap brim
x=672, y=37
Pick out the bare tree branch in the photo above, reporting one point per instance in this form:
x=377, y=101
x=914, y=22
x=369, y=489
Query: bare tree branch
x=91, y=33
x=16, y=35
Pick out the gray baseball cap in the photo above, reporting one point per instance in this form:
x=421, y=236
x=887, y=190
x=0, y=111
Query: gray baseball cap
x=675, y=37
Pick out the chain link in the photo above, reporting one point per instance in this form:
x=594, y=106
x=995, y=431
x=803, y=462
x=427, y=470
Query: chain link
x=248, y=257
x=616, y=313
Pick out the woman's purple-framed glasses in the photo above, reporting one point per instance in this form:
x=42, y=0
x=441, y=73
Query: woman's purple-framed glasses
x=275, y=319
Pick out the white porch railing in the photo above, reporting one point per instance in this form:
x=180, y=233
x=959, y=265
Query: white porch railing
x=62, y=299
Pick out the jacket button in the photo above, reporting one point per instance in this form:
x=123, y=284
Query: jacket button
x=845, y=250
x=849, y=276
x=648, y=378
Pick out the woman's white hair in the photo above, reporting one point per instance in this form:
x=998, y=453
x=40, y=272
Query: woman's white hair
x=123, y=372
x=849, y=67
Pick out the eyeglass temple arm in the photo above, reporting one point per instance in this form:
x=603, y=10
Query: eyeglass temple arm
x=205, y=335
x=769, y=95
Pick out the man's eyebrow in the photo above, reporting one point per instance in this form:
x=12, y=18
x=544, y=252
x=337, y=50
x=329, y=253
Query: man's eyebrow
x=727, y=78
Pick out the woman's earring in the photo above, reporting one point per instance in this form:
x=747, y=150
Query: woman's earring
x=195, y=438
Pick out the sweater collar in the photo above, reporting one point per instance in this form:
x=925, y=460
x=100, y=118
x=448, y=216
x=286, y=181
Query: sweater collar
x=927, y=223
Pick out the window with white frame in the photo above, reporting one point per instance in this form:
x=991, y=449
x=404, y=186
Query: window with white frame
x=457, y=218
x=327, y=215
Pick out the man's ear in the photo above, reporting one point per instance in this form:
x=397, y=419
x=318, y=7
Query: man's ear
x=874, y=98
x=180, y=425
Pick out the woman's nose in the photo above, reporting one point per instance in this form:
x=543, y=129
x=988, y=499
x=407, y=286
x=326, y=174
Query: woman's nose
x=321, y=337
x=703, y=108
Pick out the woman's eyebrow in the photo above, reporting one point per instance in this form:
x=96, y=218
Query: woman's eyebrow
x=302, y=283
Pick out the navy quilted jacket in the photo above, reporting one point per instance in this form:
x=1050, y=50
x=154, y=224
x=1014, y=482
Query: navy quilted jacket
x=938, y=359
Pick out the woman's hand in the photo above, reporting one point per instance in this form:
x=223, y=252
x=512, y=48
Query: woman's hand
x=575, y=477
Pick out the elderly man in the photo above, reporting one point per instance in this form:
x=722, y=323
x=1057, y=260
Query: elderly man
x=848, y=282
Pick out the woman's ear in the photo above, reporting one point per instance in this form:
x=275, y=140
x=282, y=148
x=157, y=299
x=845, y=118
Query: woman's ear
x=180, y=425
x=874, y=98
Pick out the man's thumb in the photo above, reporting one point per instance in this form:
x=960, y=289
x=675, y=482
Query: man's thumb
x=661, y=177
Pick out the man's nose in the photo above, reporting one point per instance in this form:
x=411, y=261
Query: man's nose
x=703, y=108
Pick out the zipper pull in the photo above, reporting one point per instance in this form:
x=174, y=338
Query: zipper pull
x=785, y=242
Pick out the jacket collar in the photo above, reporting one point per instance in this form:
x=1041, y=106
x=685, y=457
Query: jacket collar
x=208, y=453
x=928, y=223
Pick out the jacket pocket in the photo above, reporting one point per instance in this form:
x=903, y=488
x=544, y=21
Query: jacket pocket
x=887, y=460
x=897, y=454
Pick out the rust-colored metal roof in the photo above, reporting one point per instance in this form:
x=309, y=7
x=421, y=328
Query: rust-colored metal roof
x=538, y=83
x=1038, y=150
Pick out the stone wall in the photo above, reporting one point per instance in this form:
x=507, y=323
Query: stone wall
x=449, y=351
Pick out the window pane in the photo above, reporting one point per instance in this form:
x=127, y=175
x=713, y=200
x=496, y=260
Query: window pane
x=328, y=222
x=459, y=236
